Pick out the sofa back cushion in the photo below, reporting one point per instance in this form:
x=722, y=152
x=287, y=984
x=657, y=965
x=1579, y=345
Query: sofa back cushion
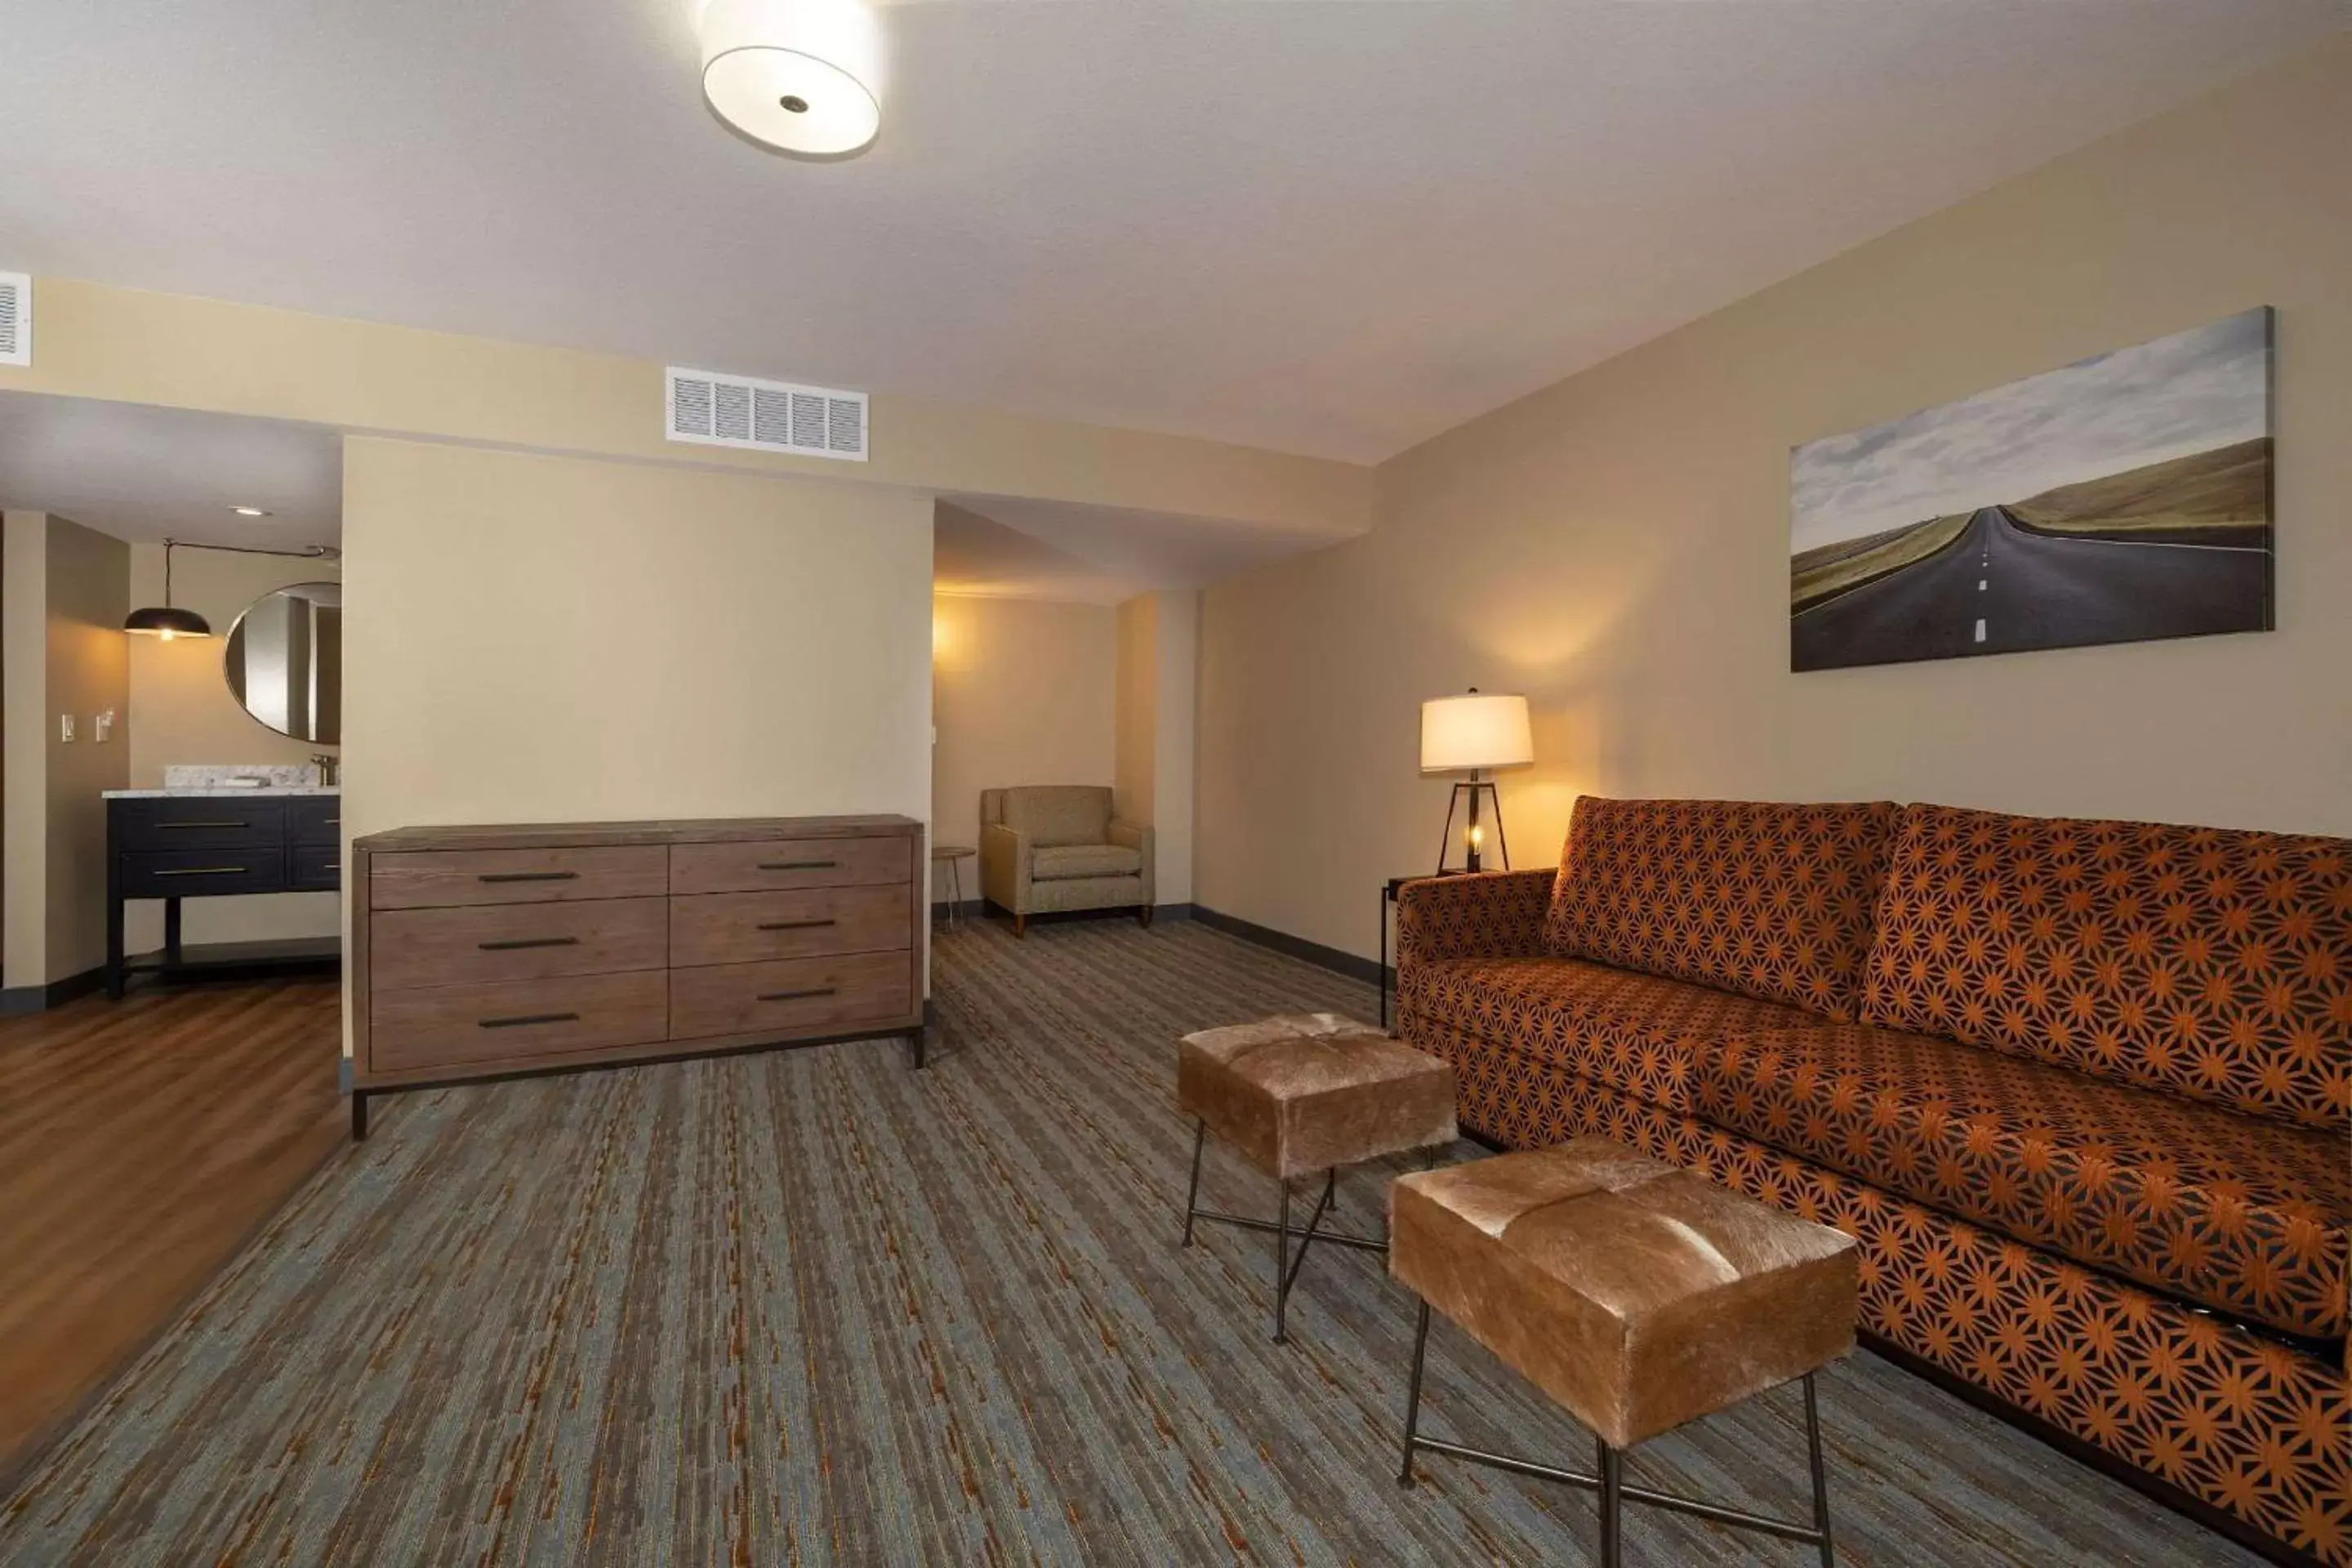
x=1059, y=813
x=1769, y=901
x=2211, y=963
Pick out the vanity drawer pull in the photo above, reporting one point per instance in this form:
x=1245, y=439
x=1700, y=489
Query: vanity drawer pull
x=797, y=925
x=799, y=864
x=526, y=1019
x=518, y=944
x=203, y=871
x=798, y=996
x=183, y=827
x=528, y=876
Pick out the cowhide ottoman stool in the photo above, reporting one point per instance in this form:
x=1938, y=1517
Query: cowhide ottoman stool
x=1301, y=1095
x=1637, y=1295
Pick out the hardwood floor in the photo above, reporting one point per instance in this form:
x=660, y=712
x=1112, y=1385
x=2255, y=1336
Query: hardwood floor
x=142, y=1142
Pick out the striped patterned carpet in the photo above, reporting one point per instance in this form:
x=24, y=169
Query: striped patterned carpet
x=813, y=1308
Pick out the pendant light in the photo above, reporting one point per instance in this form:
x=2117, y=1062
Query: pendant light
x=163, y=620
x=799, y=76
x=167, y=622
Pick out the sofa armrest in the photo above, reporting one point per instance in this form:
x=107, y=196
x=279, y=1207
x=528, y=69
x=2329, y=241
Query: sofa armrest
x=1487, y=914
x=1137, y=837
x=1004, y=866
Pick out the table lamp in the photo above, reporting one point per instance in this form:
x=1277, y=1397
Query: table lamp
x=1473, y=734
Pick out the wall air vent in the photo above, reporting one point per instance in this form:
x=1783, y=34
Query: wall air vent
x=16, y=319
x=713, y=410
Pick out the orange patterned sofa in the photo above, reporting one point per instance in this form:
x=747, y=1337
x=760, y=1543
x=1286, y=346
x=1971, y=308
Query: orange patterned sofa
x=2080, y=1090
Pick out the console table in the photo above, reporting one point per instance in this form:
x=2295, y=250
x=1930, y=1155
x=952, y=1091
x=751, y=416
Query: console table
x=176, y=844
x=483, y=952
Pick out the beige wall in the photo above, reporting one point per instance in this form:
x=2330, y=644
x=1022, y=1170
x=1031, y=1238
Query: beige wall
x=129, y=346
x=66, y=590
x=1616, y=546
x=1159, y=653
x=546, y=639
x=1023, y=693
x=181, y=711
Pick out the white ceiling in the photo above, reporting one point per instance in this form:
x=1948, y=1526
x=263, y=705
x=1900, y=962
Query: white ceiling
x=143, y=474
x=1010, y=548
x=1335, y=227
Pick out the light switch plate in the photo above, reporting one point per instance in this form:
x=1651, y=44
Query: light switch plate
x=65, y=726
x=101, y=726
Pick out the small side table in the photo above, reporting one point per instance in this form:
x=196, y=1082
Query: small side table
x=955, y=855
x=1388, y=891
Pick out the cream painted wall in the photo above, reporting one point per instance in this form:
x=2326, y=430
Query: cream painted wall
x=549, y=639
x=1024, y=691
x=129, y=346
x=1615, y=546
x=66, y=590
x=181, y=711
x=1159, y=655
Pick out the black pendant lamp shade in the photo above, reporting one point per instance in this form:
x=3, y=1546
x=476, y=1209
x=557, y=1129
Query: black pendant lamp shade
x=163, y=620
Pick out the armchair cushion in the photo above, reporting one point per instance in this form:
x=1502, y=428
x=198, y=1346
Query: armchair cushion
x=1054, y=815
x=1059, y=862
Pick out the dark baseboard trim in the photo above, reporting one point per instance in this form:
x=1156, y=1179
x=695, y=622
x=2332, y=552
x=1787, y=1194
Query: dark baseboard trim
x=18, y=1000
x=981, y=909
x=2154, y=1487
x=1331, y=958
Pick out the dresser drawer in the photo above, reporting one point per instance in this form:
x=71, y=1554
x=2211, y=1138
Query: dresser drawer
x=466, y=1026
x=202, y=873
x=783, y=863
x=744, y=928
x=431, y=879
x=801, y=995
x=315, y=821
x=203, y=823
x=516, y=941
x=314, y=867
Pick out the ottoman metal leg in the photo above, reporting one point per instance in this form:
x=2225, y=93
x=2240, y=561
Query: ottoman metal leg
x=1612, y=1523
x=1412, y=1394
x=1281, y=1262
x=1821, y=1473
x=1192, y=1192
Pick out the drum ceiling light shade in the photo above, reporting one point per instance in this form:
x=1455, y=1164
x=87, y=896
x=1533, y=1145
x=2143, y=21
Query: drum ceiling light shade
x=1463, y=734
x=800, y=76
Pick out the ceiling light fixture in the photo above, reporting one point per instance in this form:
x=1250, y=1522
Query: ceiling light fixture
x=800, y=76
x=252, y=511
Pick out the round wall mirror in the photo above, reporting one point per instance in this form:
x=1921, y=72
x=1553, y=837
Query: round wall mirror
x=285, y=661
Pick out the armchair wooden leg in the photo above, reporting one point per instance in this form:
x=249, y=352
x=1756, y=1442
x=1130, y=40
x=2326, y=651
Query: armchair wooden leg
x=1020, y=924
x=1143, y=913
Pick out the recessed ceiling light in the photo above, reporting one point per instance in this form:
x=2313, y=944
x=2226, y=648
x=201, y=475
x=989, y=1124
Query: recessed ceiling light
x=800, y=76
x=252, y=511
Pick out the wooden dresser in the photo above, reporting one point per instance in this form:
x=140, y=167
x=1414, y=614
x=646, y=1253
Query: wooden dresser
x=488, y=951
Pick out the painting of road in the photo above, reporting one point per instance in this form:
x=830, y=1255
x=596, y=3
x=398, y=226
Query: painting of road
x=2124, y=498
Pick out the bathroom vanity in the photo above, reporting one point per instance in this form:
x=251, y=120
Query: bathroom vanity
x=215, y=841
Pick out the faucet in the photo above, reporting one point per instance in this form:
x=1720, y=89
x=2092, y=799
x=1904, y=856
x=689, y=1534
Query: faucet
x=329, y=765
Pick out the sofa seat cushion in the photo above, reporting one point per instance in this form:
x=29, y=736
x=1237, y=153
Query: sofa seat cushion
x=1773, y=901
x=1061, y=862
x=2211, y=963
x=2241, y=1215
x=1635, y=1033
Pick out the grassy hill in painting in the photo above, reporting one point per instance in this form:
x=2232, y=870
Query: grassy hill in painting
x=1828, y=570
x=2220, y=497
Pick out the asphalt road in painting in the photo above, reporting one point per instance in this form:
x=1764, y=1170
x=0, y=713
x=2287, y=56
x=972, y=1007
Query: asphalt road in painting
x=1998, y=588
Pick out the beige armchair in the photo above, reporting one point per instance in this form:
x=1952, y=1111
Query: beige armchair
x=1050, y=848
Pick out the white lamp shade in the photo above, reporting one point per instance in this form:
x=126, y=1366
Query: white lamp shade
x=1477, y=730
x=799, y=74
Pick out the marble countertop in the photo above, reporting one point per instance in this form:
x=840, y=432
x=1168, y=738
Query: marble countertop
x=222, y=791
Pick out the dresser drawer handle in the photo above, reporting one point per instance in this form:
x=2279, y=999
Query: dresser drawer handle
x=799, y=864
x=182, y=826
x=796, y=925
x=527, y=1019
x=519, y=943
x=203, y=871
x=798, y=996
x=528, y=876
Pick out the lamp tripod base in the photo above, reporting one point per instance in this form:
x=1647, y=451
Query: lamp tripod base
x=1472, y=788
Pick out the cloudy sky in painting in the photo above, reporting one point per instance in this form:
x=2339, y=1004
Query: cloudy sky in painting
x=2189, y=392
